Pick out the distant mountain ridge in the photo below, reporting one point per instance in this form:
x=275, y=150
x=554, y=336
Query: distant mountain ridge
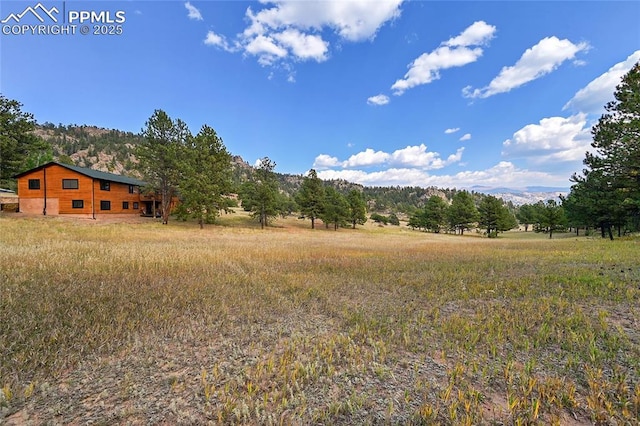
x=526, y=195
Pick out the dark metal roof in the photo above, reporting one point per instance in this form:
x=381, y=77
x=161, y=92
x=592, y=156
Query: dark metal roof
x=95, y=174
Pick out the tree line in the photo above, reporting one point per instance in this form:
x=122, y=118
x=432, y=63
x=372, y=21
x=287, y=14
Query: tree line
x=604, y=196
x=490, y=214
x=197, y=169
x=314, y=200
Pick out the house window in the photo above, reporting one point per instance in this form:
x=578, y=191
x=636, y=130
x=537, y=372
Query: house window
x=105, y=185
x=69, y=183
x=77, y=204
x=125, y=205
x=132, y=189
x=105, y=205
x=136, y=206
x=34, y=183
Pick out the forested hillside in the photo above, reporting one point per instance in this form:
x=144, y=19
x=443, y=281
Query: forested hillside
x=87, y=146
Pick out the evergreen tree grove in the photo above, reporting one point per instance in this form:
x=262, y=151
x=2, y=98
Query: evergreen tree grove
x=607, y=193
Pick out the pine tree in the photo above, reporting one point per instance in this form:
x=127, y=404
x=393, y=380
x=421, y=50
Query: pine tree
x=310, y=197
x=434, y=214
x=357, y=208
x=551, y=217
x=462, y=213
x=20, y=149
x=206, y=176
x=336, y=208
x=160, y=154
x=260, y=195
x=526, y=216
x=494, y=216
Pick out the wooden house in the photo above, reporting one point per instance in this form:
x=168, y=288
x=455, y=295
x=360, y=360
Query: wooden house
x=60, y=189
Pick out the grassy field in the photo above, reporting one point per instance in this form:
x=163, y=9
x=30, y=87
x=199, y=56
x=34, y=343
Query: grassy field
x=139, y=323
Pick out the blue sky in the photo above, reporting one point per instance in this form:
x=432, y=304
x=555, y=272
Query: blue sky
x=426, y=93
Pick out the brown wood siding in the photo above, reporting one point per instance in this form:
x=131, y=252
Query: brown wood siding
x=61, y=199
x=23, y=185
x=55, y=175
x=117, y=194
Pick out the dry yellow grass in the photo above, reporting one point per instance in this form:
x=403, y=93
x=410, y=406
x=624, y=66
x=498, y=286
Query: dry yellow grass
x=143, y=323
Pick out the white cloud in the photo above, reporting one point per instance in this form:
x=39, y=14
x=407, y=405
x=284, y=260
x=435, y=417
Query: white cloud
x=378, y=100
x=477, y=34
x=194, y=13
x=416, y=156
x=552, y=148
x=452, y=130
x=266, y=49
x=303, y=46
x=414, y=165
x=361, y=19
x=294, y=28
x=324, y=161
x=466, y=137
x=594, y=96
x=455, y=52
x=368, y=157
x=389, y=177
x=217, y=40
x=535, y=62
x=455, y=158
x=502, y=174
x=554, y=139
x=354, y=20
